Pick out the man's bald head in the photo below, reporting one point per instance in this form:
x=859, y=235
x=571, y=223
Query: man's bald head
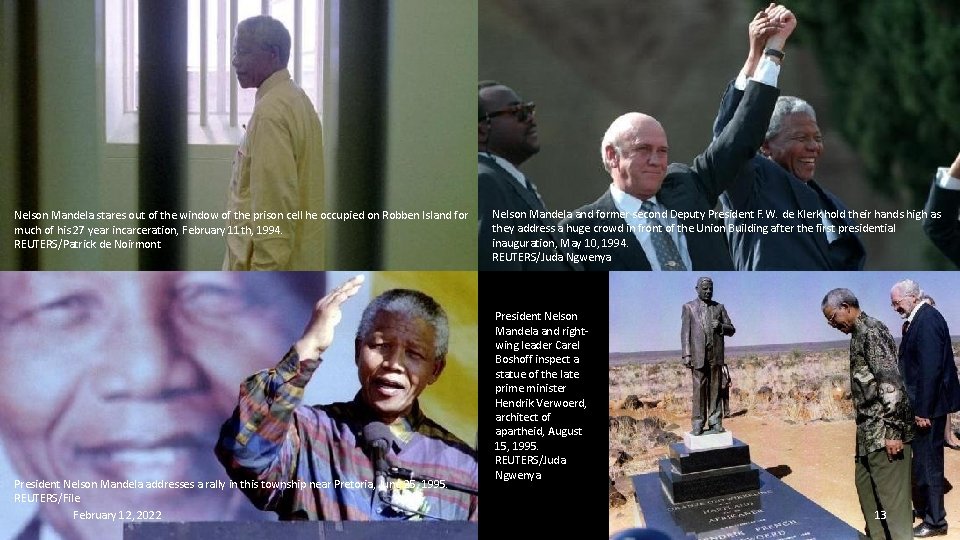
x=634, y=151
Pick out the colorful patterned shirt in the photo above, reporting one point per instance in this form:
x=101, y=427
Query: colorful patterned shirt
x=879, y=398
x=306, y=462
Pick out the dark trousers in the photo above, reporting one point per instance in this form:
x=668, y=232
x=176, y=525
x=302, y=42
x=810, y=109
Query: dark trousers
x=928, y=472
x=883, y=487
x=707, y=411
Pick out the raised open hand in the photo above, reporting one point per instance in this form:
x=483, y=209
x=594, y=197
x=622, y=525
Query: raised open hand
x=318, y=335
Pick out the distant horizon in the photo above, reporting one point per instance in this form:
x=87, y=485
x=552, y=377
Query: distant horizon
x=619, y=358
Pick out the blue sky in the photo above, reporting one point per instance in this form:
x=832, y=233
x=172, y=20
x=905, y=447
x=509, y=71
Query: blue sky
x=765, y=307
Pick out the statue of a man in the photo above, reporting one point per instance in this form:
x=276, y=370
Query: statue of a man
x=705, y=323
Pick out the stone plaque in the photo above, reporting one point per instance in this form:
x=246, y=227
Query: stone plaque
x=774, y=511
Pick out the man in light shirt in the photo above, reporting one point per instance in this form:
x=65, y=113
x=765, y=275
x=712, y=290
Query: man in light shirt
x=943, y=211
x=657, y=217
x=278, y=170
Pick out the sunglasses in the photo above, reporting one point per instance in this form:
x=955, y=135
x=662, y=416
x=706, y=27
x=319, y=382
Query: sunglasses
x=521, y=111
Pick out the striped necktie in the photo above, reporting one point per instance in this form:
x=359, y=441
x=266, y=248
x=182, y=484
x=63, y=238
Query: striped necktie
x=667, y=253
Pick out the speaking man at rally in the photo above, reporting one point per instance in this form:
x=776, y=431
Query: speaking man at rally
x=779, y=217
x=340, y=461
x=927, y=364
x=883, y=415
x=506, y=137
x=278, y=169
x=657, y=217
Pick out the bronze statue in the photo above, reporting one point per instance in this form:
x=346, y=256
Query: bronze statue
x=705, y=323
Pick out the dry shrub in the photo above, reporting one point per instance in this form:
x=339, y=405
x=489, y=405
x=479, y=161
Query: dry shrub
x=798, y=385
x=632, y=443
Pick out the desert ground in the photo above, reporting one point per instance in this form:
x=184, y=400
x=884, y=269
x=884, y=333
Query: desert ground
x=793, y=409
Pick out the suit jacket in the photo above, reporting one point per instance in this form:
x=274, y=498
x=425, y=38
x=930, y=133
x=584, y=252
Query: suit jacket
x=927, y=366
x=688, y=188
x=694, y=327
x=944, y=231
x=765, y=187
x=498, y=190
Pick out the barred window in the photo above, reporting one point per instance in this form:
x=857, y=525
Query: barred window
x=216, y=105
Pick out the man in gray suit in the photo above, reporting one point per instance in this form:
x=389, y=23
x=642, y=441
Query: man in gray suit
x=704, y=325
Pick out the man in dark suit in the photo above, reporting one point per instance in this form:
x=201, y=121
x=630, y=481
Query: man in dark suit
x=516, y=230
x=930, y=376
x=780, y=180
x=704, y=323
x=658, y=217
x=943, y=211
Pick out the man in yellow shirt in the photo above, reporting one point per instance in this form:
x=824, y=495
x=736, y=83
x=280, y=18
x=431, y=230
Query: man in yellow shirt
x=278, y=170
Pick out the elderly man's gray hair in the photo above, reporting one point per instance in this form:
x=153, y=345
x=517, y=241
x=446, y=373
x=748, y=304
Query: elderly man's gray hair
x=836, y=297
x=611, y=138
x=267, y=32
x=787, y=105
x=621, y=133
x=413, y=304
x=908, y=287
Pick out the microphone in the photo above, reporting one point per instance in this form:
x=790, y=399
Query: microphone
x=407, y=474
x=378, y=436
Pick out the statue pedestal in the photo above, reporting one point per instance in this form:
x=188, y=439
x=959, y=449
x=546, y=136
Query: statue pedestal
x=709, y=470
x=705, y=442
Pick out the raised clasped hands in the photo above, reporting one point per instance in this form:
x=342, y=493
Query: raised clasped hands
x=318, y=334
x=770, y=27
x=760, y=29
x=786, y=24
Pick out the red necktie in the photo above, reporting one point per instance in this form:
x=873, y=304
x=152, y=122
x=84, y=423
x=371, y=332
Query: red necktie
x=903, y=329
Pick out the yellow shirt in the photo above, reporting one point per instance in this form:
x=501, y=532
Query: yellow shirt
x=277, y=179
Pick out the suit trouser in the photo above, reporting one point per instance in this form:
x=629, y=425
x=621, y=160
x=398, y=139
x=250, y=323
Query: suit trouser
x=883, y=487
x=928, y=472
x=707, y=411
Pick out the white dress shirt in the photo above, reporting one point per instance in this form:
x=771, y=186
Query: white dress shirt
x=630, y=206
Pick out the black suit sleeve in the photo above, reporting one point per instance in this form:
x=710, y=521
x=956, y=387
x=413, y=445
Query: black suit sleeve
x=720, y=163
x=491, y=197
x=728, y=105
x=944, y=231
x=929, y=340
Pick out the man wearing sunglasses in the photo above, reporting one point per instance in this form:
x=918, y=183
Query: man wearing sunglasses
x=516, y=230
